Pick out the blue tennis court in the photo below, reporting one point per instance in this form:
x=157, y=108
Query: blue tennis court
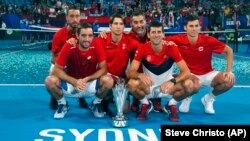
x=25, y=114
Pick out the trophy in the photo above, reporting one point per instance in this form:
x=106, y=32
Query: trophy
x=156, y=92
x=120, y=93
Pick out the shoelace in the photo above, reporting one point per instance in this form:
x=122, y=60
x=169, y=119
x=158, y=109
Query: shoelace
x=186, y=102
x=173, y=109
x=209, y=100
x=60, y=108
x=99, y=108
x=144, y=108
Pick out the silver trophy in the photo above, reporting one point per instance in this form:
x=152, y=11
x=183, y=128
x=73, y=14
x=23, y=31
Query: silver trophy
x=120, y=93
x=156, y=91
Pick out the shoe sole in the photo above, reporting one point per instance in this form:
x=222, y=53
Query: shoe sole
x=104, y=113
x=63, y=116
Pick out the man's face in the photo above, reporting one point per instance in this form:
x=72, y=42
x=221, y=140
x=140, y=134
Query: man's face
x=117, y=27
x=192, y=28
x=73, y=18
x=138, y=24
x=85, y=37
x=156, y=35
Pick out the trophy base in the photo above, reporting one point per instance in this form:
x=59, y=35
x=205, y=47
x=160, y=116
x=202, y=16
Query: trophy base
x=119, y=122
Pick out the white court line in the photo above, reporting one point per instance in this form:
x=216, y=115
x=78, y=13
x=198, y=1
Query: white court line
x=242, y=56
x=42, y=85
x=234, y=55
x=22, y=85
x=13, y=52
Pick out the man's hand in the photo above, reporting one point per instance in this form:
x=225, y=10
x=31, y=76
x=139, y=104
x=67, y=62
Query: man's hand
x=103, y=34
x=72, y=41
x=229, y=77
x=165, y=87
x=146, y=79
x=168, y=43
x=81, y=84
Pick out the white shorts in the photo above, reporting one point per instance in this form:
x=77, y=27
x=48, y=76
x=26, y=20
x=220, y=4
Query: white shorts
x=51, y=67
x=70, y=91
x=155, y=90
x=206, y=79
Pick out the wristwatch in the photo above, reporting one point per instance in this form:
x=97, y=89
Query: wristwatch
x=173, y=80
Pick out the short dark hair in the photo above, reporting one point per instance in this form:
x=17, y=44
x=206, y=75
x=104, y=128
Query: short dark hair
x=84, y=25
x=155, y=24
x=116, y=15
x=72, y=7
x=191, y=17
x=137, y=13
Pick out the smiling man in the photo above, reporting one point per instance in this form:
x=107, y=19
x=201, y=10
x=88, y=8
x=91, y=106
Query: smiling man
x=156, y=80
x=59, y=39
x=79, y=71
x=197, y=50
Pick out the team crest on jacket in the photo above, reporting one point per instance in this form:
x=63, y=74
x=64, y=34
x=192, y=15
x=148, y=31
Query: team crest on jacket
x=200, y=48
x=148, y=58
x=123, y=46
x=89, y=57
x=165, y=56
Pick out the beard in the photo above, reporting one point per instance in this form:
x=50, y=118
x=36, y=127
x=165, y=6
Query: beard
x=140, y=31
x=74, y=25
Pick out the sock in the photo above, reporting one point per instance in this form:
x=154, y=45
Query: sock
x=144, y=101
x=210, y=96
x=61, y=101
x=172, y=102
x=97, y=100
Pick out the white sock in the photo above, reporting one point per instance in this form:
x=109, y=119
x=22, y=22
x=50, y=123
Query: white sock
x=172, y=102
x=97, y=100
x=144, y=101
x=210, y=96
x=62, y=101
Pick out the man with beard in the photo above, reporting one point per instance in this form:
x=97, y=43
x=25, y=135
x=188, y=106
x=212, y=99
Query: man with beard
x=60, y=38
x=139, y=32
x=79, y=71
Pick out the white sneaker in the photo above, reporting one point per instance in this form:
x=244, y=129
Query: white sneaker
x=61, y=111
x=208, y=104
x=185, y=105
x=97, y=110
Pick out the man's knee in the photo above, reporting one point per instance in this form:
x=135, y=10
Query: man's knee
x=222, y=82
x=107, y=81
x=51, y=81
x=132, y=85
x=189, y=86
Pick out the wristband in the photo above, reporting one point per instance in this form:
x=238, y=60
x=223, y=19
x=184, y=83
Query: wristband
x=173, y=80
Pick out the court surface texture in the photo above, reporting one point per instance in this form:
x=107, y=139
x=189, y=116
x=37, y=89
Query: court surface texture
x=25, y=113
